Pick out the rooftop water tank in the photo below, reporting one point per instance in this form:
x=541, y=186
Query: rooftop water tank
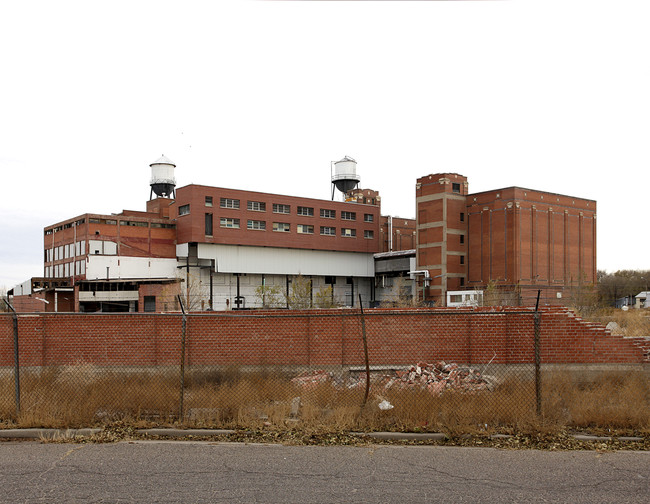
x=162, y=183
x=345, y=175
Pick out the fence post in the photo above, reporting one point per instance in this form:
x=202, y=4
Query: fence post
x=16, y=360
x=538, y=374
x=182, y=390
x=365, y=352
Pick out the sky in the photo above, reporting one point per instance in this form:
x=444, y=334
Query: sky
x=263, y=95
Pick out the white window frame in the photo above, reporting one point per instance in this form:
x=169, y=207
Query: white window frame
x=256, y=225
x=256, y=206
x=286, y=227
x=229, y=222
x=229, y=203
x=281, y=208
x=305, y=229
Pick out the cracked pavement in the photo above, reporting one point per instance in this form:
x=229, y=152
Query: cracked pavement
x=193, y=471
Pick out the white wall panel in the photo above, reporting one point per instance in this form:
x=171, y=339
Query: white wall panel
x=280, y=261
x=129, y=267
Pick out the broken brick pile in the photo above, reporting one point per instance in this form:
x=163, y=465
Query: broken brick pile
x=436, y=378
x=439, y=377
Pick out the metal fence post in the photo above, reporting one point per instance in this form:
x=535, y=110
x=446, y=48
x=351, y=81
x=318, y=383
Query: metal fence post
x=538, y=374
x=16, y=360
x=365, y=352
x=182, y=390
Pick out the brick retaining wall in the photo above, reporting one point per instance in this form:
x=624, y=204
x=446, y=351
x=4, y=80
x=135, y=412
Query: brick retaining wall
x=316, y=338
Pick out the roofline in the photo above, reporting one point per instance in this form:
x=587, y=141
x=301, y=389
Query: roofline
x=277, y=194
x=532, y=190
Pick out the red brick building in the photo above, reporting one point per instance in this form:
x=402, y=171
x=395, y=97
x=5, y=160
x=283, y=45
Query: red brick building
x=224, y=248
x=515, y=239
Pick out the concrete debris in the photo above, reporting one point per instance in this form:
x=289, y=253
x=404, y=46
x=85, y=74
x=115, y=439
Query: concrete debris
x=436, y=378
x=311, y=379
x=385, y=405
x=295, y=407
x=439, y=377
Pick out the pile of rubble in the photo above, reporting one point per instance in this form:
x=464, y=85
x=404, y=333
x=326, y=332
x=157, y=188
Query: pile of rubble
x=439, y=377
x=311, y=379
x=436, y=378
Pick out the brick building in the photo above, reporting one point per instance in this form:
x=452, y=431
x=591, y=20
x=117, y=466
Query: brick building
x=516, y=240
x=222, y=248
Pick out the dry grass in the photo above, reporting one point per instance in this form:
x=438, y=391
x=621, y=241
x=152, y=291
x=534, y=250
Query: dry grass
x=634, y=322
x=80, y=396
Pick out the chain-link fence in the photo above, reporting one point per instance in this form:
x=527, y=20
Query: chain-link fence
x=411, y=370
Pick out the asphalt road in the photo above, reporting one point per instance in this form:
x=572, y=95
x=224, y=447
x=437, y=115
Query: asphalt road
x=172, y=471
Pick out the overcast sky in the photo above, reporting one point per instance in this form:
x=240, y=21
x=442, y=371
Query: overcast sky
x=262, y=95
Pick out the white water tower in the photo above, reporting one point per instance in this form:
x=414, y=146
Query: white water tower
x=345, y=176
x=163, y=182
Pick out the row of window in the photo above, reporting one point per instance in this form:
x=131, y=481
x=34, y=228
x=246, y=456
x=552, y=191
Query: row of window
x=65, y=251
x=281, y=227
x=66, y=270
x=278, y=208
x=68, y=225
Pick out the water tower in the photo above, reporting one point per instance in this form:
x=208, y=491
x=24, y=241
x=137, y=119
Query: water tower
x=162, y=178
x=345, y=176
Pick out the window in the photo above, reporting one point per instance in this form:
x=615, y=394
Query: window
x=134, y=223
x=305, y=229
x=369, y=234
x=368, y=217
x=92, y=220
x=229, y=223
x=257, y=224
x=462, y=216
x=208, y=201
x=462, y=259
x=183, y=210
x=282, y=227
x=306, y=211
x=208, y=224
x=348, y=215
x=455, y=187
x=256, y=206
x=330, y=280
x=277, y=208
x=348, y=233
x=111, y=222
x=150, y=303
x=327, y=214
x=462, y=282
x=328, y=231
x=462, y=239
x=229, y=203
x=162, y=225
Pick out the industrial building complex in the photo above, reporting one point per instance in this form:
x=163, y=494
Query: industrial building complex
x=215, y=248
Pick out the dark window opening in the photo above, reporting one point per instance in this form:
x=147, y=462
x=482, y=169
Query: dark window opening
x=462, y=239
x=462, y=216
x=150, y=303
x=208, y=224
x=462, y=259
x=455, y=187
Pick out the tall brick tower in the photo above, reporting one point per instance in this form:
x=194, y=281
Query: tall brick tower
x=441, y=235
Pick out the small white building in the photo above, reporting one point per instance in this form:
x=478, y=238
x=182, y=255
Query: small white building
x=642, y=300
x=465, y=298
